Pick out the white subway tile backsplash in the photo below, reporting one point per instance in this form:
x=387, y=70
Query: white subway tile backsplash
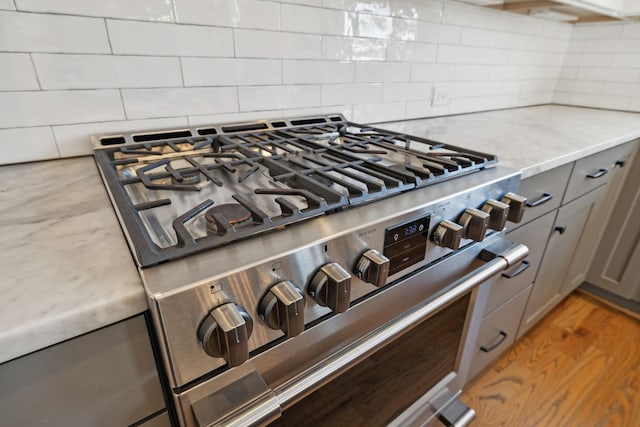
x=224, y=13
x=393, y=92
x=147, y=10
x=411, y=51
x=372, y=72
x=404, y=29
x=532, y=72
x=469, y=55
x=151, y=103
x=144, y=38
x=16, y=72
x=503, y=72
x=380, y=27
x=270, y=44
x=608, y=74
x=631, y=31
x=416, y=109
x=73, y=140
x=303, y=19
x=569, y=73
x=576, y=46
x=301, y=72
x=587, y=60
x=345, y=110
x=579, y=86
x=472, y=72
x=481, y=103
x=437, y=33
x=601, y=101
x=22, y=109
x=613, y=46
x=535, y=58
x=7, y=5
x=354, y=49
x=214, y=119
x=27, y=144
x=254, y=98
x=369, y=113
x=626, y=61
x=595, y=31
x=382, y=7
x=432, y=72
x=62, y=71
x=424, y=10
x=351, y=94
x=230, y=71
x=33, y=32
x=622, y=89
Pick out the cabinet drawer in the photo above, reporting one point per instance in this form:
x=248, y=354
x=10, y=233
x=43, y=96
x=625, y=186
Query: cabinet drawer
x=534, y=235
x=595, y=170
x=544, y=191
x=498, y=331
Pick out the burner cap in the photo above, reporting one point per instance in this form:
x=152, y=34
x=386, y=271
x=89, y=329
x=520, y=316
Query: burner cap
x=191, y=179
x=233, y=213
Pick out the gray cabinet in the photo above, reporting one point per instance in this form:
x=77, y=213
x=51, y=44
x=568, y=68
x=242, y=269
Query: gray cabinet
x=565, y=260
x=105, y=378
x=616, y=264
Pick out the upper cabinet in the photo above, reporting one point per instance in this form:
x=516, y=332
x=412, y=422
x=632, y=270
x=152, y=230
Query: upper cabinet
x=572, y=11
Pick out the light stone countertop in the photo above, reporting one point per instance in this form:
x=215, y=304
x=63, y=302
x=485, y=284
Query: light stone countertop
x=66, y=267
x=532, y=139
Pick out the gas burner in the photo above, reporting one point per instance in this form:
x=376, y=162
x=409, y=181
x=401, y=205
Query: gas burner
x=220, y=216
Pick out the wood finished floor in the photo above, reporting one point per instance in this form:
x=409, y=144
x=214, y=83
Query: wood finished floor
x=580, y=366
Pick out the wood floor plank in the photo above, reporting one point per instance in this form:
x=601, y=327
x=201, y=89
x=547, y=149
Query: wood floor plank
x=580, y=366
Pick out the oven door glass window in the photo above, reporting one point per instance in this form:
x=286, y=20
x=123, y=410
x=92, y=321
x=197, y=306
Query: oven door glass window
x=379, y=388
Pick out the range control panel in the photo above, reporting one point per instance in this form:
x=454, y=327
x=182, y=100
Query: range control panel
x=405, y=244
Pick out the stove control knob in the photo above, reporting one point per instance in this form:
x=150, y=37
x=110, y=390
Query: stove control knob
x=475, y=223
x=331, y=287
x=516, y=206
x=373, y=267
x=498, y=213
x=283, y=308
x=448, y=235
x=225, y=333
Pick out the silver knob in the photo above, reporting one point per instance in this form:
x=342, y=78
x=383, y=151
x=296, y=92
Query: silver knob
x=331, y=287
x=498, y=213
x=225, y=333
x=475, y=224
x=283, y=308
x=516, y=206
x=448, y=235
x=373, y=267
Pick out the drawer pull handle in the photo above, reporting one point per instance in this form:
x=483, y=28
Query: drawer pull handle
x=560, y=229
x=541, y=201
x=524, y=265
x=620, y=163
x=598, y=174
x=503, y=336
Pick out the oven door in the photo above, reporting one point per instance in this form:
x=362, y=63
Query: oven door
x=406, y=370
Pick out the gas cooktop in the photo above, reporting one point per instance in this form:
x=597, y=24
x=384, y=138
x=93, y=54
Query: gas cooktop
x=183, y=191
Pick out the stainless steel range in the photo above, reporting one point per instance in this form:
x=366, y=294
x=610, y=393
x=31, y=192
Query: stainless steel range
x=312, y=271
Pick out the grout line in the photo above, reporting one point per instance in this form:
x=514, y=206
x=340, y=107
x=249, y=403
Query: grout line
x=55, y=141
x=173, y=11
x=35, y=71
x=181, y=71
x=124, y=110
x=106, y=27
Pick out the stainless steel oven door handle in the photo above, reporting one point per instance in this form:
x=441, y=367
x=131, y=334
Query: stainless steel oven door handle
x=499, y=257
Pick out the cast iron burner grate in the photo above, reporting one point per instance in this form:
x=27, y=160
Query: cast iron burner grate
x=167, y=186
